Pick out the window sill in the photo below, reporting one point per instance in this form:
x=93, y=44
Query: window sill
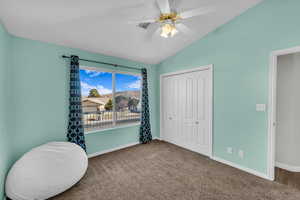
x=110, y=129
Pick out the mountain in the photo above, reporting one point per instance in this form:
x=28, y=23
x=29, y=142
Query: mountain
x=104, y=98
x=135, y=94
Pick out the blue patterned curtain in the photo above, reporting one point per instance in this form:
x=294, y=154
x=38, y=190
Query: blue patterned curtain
x=145, y=129
x=75, y=128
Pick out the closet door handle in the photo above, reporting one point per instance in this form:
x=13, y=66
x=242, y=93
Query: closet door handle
x=196, y=122
x=170, y=118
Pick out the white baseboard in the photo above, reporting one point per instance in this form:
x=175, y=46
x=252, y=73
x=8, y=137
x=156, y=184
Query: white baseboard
x=116, y=148
x=157, y=138
x=287, y=167
x=251, y=171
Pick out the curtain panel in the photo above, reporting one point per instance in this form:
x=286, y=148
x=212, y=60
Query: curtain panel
x=145, y=128
x=75, y=127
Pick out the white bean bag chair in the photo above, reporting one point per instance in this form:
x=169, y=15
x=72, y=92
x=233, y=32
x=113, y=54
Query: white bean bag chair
x=46, y=171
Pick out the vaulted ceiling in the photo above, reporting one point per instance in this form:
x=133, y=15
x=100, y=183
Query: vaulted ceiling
x=101, y=26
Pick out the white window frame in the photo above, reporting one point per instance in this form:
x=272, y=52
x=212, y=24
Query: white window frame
x=113, y=72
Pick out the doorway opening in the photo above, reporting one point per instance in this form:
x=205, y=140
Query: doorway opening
x=284, y=117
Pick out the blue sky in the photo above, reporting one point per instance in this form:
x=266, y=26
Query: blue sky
x=102, y=81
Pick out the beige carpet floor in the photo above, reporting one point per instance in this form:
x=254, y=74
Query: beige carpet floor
x=163, y=171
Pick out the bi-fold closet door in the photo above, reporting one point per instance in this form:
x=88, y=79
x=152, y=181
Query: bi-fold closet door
x=186, y=109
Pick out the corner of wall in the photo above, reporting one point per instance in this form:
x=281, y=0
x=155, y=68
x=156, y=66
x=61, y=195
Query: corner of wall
x=5, y=134
x=156, y=106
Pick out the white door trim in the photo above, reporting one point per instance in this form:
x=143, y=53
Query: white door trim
x=210, y=112
x=272, y=107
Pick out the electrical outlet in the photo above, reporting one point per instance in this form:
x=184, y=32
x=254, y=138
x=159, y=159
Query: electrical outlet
x=261, y=107
x=229, y=150
x=241, y=154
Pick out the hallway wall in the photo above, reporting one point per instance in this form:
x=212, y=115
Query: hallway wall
x=288, y=111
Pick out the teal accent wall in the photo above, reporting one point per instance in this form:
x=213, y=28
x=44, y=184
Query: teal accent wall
x=5, y=137
x=240, y=52
x=40, y=97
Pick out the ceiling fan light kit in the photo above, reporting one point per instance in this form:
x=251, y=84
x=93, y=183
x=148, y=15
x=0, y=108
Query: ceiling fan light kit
x=168, y=24
x=168, y=30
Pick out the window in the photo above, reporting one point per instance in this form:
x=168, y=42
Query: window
x=109, y=99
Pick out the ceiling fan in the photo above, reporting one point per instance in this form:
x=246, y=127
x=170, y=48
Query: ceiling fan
x=170, y=21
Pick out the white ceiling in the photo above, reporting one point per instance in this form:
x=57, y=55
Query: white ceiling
x=102, y=26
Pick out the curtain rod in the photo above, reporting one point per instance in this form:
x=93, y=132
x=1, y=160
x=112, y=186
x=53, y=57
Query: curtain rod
x=99, y=62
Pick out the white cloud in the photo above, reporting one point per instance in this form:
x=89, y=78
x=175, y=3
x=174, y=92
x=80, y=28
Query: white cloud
x=85, y=88
x=93, y=73
x=135, y=85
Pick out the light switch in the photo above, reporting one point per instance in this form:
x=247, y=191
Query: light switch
x=241, y=154
x=260, y=107
x=229, y=150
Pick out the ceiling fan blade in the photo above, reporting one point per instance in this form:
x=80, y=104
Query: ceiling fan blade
x=152, y=30
x=142, y=21
x=174, y=5
x=164, y=6
x=195, y=12
x=184, y=29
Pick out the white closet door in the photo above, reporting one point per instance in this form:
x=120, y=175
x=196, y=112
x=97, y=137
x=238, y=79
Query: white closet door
x=186, y=105
x=170, y=115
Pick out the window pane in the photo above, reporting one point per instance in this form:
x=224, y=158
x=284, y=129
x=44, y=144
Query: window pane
x=96, y=91
x=127, y=99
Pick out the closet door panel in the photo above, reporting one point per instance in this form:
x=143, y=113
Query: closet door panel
x=166, y=111
x=188, y=107
x=202, y=115
x=170, y=100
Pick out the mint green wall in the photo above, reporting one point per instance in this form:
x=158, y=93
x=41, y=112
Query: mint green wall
x=40, y=97
x=5, y=137
x=240, y=53
x=34, y=99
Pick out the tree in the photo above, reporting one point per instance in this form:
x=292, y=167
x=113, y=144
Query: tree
x=132, y=104
x=94, y=93
x=121, y=102
x=109, y=105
